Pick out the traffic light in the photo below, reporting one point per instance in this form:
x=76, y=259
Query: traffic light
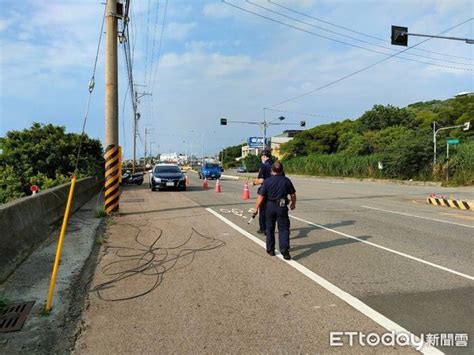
x=399, y=36
x=223, y=121
x=467, y=125
x=303, y=123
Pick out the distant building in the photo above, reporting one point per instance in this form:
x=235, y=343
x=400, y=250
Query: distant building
x=278, y=140
x=246, y=150
x=275, y=144
x=169, y=157
x=465, y=93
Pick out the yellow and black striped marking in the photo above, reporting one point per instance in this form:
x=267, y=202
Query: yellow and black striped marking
x=112, y=185
x=462, y=205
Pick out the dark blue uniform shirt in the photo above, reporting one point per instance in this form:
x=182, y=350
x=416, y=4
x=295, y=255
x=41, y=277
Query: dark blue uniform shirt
x=265, y=171
x=277, y=187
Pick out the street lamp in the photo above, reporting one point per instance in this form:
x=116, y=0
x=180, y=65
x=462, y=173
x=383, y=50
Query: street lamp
x=202, y=142
x=263, y=124
x=465, y=127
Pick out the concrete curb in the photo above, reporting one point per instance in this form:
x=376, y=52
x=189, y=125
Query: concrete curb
x=459, y=204
x=231, y=177
x=245, y=176
x=26, y=222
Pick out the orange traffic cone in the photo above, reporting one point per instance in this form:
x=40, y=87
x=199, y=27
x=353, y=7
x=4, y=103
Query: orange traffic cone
x=218, y=186
x=205, y=184
x=246, y=192
x=187, y=180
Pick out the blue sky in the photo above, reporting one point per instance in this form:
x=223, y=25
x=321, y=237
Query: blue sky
x=217, y=61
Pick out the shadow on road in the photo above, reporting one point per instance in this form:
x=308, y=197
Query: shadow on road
x=304, y=231
x=309, y=249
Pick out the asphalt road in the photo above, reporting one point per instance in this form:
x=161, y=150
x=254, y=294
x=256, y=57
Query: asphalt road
x=381, y=243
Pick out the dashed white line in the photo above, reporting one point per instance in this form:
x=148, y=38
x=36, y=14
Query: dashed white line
x=341, y=294
x=469, y=277
x=415, y=216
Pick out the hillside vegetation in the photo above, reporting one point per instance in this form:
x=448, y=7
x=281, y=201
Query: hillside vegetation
x=400, y=138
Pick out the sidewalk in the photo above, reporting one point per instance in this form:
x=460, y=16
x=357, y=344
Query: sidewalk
x=195, y=285
x=54, y=333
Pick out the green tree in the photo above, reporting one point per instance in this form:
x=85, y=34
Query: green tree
x=44, y=155
x=230, y=154
x=380, y=117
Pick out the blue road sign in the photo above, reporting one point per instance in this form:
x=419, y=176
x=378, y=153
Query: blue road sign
x=255, y=142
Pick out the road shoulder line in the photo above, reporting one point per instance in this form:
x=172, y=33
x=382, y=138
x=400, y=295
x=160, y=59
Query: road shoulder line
x=415, y=216
x=341, y=294
x=466, y=276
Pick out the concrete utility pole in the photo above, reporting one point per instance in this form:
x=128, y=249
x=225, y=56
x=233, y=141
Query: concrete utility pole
x=111, y=77
x=137, y=97
x=111, y=110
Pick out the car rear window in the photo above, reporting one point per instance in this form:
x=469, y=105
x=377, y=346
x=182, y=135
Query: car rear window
x=167, y=169
x=209, y=166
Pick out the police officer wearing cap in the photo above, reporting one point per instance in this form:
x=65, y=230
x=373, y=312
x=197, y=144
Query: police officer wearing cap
x=264, y=173
x=275, y=191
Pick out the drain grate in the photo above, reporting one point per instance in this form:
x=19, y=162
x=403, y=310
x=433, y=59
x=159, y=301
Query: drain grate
x=14, y=316
x=133, y=200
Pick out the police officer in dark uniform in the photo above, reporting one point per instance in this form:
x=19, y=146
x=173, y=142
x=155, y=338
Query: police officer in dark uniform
x=275, y=191
x=264, y=173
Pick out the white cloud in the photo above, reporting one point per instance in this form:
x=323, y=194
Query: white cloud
x=179, y=31
x=4, y=24
x=217, y=10
x=232, y=72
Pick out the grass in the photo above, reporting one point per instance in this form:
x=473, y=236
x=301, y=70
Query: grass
x=100, y=212
x=4, y=302
x=334, y=165
x=44, y=313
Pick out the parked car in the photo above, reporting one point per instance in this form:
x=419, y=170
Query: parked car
x=210, y=171
x=167, y=176
x=241, y=169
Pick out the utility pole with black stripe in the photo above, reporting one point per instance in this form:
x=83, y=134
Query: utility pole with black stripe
x=112, y=185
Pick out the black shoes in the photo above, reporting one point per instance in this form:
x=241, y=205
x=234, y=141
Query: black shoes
x=286, y=254
x=260, y=231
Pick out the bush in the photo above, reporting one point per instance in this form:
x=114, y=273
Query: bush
x=252, y=163
x=461, y=165
x=44, y=155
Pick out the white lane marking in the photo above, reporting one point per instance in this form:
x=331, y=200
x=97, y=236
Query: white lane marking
x=230, y=177
x=341, y=294
x=421, y=217
x=469, y=277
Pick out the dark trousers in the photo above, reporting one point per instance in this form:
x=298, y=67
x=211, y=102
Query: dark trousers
x=276, y=214
x=262, y=220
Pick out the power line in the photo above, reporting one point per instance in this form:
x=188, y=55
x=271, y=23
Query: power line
x=343, y=42
x=304, y=114
x=161, y=42
x=363, y=69
x=351, y=37
x=146, y=41
x=360, y=33
x=91, y=89
x=153, y=62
